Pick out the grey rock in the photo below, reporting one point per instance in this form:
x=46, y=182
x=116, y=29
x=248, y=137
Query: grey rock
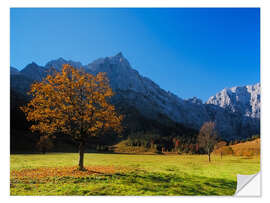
x=236, y=111
x=58, y=64
x=14, y=71
x=244, y=100
x=34, y=72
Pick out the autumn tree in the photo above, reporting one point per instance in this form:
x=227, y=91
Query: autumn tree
x=74, y=103
x=208, y=138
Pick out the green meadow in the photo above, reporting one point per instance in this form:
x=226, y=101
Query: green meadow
x=127, y=174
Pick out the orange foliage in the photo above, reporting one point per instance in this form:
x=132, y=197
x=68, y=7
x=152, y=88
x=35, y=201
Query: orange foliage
x=72, y=102
x=45, y=173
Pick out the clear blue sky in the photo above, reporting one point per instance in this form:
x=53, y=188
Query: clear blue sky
x=190, y=52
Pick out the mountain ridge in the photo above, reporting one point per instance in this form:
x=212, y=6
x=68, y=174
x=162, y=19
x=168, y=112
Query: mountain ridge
x=242, y=99
x=153, y=101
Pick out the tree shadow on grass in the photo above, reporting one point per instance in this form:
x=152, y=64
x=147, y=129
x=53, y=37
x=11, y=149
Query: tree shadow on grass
x=175, y=184
x=131, y=183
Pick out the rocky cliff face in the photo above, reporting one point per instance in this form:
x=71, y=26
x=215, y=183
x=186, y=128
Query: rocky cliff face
x=14, y=71
x=236, y=111
x=244, y=100
x=58, y=63
x=146, y=95
x=34, y=72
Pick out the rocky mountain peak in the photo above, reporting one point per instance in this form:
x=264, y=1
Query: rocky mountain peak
x=235, y=110
x=120, y=73
x=34, y=72
x=32, y=65
x=118, y=60
x=244, y=100
x=119, y=55
x=195, y=100
x=14, y=71
x=58, y=64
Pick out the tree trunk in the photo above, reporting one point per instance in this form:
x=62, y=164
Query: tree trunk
x=209, y=158
x=81, y=151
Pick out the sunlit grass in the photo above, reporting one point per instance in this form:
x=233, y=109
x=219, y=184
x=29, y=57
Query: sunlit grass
x=145, y=174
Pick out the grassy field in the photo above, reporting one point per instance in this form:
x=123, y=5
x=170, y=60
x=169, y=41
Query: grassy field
x=122, y=174
x=248, y=148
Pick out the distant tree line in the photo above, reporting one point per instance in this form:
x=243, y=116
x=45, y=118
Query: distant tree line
x=236, y=141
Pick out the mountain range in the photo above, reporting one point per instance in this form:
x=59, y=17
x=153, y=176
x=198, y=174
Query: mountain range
x=235, y=110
